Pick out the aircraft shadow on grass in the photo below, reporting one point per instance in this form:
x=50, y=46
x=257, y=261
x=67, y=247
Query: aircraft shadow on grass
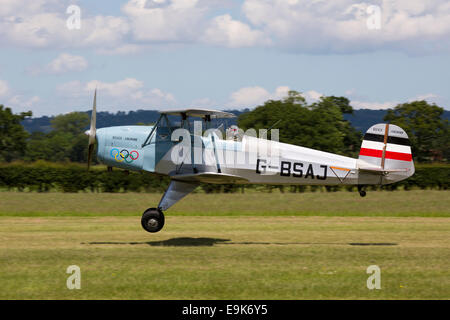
x=174, y=242
x=209, y=242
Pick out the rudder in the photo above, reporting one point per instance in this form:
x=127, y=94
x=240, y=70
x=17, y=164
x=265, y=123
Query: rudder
x=387, y=147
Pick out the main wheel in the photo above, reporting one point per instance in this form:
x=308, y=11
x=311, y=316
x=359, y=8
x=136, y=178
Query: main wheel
x=152, y=220
x=361, y=191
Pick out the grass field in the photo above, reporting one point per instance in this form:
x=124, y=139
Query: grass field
x=227, y=246
x=381, y=203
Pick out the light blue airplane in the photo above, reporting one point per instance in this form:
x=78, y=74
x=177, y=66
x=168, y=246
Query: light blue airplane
x=190, y=156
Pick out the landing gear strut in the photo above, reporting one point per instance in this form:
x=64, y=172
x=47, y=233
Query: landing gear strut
x=152, y=220
x=361, y=191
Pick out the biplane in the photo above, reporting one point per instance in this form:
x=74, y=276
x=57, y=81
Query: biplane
x=192, y=150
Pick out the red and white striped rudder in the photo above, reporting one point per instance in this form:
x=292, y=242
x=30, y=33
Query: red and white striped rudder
x=387, y=147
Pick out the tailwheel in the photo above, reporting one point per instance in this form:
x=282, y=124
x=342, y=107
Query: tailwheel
x=152, y=220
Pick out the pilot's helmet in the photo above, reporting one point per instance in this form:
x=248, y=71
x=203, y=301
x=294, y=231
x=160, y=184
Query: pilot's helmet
x=233, y=132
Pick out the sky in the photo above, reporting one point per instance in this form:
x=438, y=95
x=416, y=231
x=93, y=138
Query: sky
x=220, y=54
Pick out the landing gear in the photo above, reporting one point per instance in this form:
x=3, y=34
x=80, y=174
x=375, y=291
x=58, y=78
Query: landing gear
x=152, y=220
x=361, y=191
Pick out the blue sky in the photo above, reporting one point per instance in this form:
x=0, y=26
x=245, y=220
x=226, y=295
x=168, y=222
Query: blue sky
x=162, y=54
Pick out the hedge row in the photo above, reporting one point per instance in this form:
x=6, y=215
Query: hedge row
x=426, y=177
x=74, y=178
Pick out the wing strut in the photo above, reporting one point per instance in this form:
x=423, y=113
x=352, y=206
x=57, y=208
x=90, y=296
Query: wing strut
x=175, y=192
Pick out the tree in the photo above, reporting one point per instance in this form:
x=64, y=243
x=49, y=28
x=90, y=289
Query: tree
x=66, y=142
x=428, y=132
x=38, y=147
x=73, y=123
x=319, y=125
x=352, y=137
x=343, y=103
x=12, y=134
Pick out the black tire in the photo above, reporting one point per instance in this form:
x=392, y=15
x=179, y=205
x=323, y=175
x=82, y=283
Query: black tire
x=362, y=193
x=152, y=220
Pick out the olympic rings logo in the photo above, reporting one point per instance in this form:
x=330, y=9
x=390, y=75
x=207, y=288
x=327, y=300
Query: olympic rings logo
x=124, y=155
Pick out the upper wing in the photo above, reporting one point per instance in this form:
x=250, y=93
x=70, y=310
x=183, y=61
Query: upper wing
x=214, y=114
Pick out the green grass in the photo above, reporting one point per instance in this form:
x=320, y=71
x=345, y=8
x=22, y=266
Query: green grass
x=255, y=255
x=381, y=203
x=225, y=258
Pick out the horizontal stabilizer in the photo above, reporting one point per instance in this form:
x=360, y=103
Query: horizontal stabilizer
x=379, y=170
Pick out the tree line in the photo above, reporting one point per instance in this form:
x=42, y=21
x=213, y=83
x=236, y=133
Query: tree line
x=45, y=176
x=319, y=125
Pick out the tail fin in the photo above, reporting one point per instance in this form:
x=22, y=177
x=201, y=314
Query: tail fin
x=386, y=152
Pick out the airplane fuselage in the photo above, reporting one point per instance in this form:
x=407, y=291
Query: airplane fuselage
x=282, y=164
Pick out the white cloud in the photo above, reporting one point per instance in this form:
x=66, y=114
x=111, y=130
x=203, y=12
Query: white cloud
x=4, y=88
x=154, y=97
x=312, y=96
x=358, y=101
x=12, y=7
x=426, y=97
x=373, y=105
x=280, y=92
x=62, y=64
x=142, y=23
x=17, y=101
x=42, y=24
x=103, y=31
x=340, y=26
x=432, y=98
x=125, y=93
x=120, y=88
x=165, y=21
x=225, y=31
x=23, y=103
x=248, y=96
x=253, y=96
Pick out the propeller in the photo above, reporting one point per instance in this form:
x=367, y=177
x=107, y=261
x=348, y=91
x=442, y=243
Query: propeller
x=92, y=131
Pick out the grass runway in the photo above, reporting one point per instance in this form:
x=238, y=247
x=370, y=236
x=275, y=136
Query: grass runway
x=300, y=252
